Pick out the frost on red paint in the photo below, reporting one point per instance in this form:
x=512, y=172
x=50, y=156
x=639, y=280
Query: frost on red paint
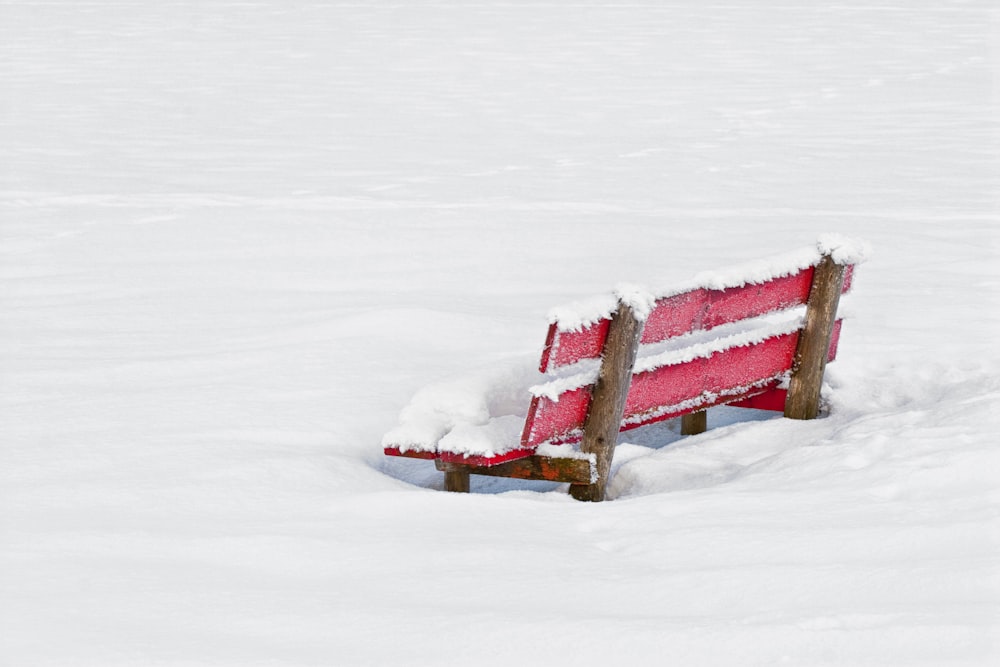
x=699, y=309
x=675, y=316
x=557, y=421
x=563, y=348
x=848, y=278
x=752, y=300
x=410, y=453
x=834, y=340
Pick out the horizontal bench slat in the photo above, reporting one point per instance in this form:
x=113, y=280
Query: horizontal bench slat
x=665, y=391
x=700, y=309
x=483, y=460
x=410, y=453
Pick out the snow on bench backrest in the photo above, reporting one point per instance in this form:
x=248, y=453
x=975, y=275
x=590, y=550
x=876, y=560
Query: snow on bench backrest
x=697, y=309
x=750, y=356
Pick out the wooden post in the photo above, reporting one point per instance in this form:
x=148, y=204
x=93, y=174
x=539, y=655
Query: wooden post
x=456, y=480
x=600, y=429
x=814, y=341
x=694, y=423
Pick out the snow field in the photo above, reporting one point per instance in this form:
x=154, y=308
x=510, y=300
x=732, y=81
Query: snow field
x=237, y=239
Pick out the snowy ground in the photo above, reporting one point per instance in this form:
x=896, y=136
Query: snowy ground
x=236, y=238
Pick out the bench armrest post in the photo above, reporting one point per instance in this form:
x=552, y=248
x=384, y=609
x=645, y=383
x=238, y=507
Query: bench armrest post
x=694, y=423
x=814, y=341
x=600, y=429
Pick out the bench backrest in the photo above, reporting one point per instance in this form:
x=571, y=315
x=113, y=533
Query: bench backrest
x=732, y=367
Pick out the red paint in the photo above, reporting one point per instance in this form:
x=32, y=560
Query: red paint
x=834, y=340
x=556, y=421
x=749, y=394
x=550, y=339
x=567, y=347
x=396, y=451
x=753, y=300
x=513, y=455
x=720, y=375
x=771, y=399
x=848, y=278
x=675, y=315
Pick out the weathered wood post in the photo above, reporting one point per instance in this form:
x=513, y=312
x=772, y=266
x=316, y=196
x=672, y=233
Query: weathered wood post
x=694, y=423
x=456, y=480
x=600, y=429
x=814, y=340
x=548, y=468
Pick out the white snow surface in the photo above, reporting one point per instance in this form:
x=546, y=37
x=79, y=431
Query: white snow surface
x=237, y=238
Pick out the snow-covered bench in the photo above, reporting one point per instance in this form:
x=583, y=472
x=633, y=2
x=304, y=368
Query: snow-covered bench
x=757, y=335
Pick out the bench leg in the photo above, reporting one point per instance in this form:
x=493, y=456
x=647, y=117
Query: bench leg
x=694, y=423
x=456, y=481
x=604, y=419
x=814, y=341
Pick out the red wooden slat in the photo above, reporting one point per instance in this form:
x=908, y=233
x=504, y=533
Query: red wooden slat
x=834, y=340
x=396, y=451
x=550, y=340
x=513, y=455
x=697, y=310
x=753, y=300
x=454, y=457
x=704, y=402
x=772, y=399
x=675, y=316
x=848, y=278
x=720, y=374
x=556, y=421
x=568, y=347
x=667, y=385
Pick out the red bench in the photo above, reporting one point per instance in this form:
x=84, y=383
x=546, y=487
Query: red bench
x=739, y=338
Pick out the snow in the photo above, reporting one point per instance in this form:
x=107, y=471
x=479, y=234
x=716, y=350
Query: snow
x=640, y=300
x=753, y=272
x=567, y=378
x=237, y=238
x=844, y=250
x=497, y=436
x=582, y=313
x=471, y=413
